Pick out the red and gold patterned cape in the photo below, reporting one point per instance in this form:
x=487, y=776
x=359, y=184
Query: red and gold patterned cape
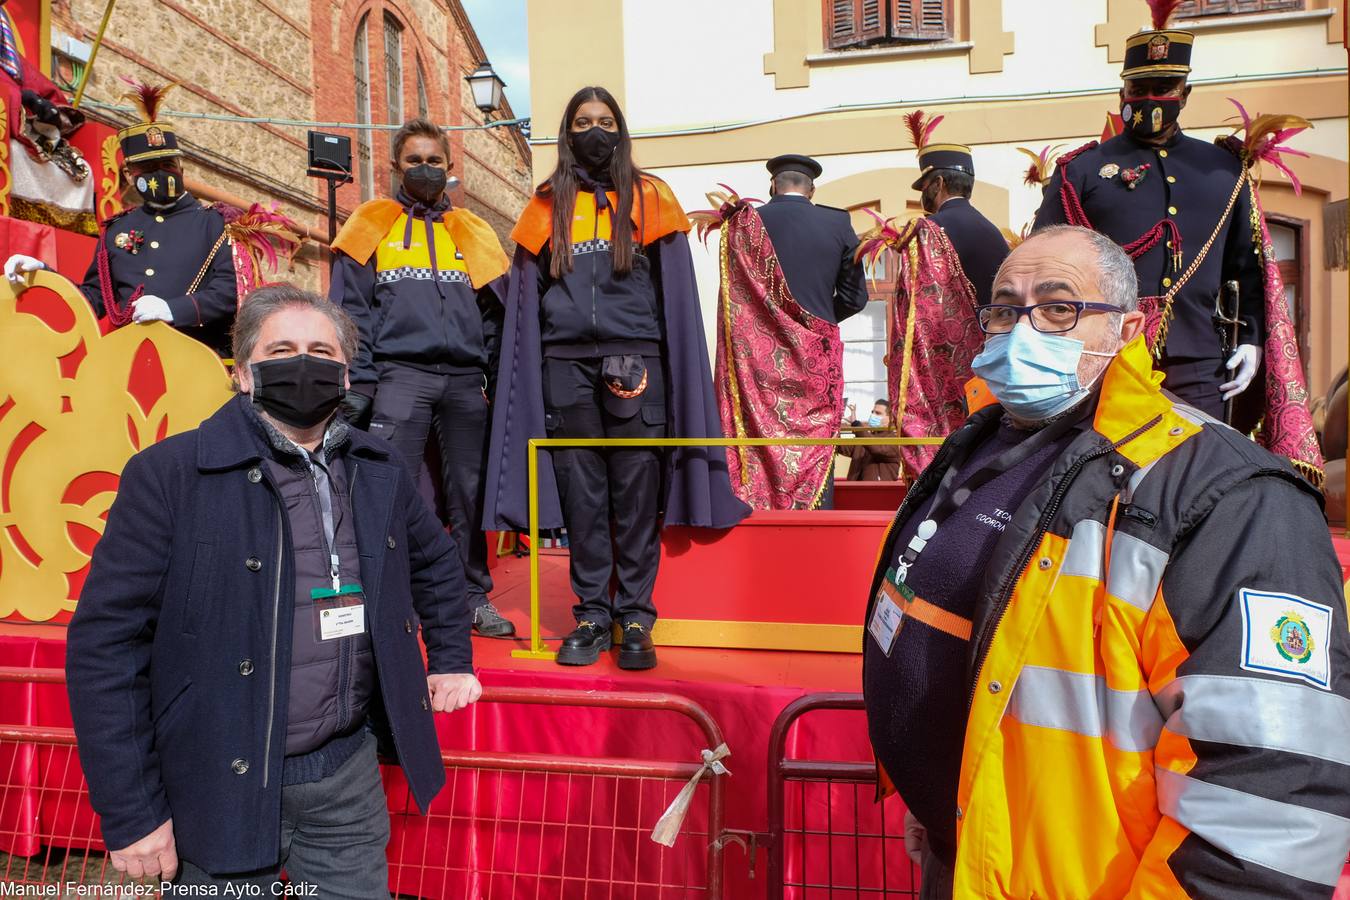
x=780, y=372
x=933, y=338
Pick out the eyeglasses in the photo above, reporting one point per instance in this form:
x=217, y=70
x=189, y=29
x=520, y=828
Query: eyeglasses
x=1048, y=318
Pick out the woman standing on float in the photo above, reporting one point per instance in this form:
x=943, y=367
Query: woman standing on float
x=604, y=339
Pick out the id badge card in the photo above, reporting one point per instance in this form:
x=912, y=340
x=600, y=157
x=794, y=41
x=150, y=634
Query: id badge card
x=888, y=614
x=339, y=613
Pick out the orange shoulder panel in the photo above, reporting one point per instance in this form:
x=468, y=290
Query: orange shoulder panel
x=978, y=396
x=475, y=239
x=366, y=227
x=535, y=225
x=660, y=213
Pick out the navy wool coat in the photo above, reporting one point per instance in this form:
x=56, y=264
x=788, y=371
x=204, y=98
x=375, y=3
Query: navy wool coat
x=178, y=656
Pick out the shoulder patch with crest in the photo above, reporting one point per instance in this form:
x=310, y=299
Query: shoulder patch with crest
x=1285, y=635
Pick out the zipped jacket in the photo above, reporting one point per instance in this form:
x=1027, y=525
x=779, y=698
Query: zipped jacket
x=1160, y=667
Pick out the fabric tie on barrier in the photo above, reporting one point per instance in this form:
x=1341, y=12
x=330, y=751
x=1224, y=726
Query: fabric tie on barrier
x=667, y=828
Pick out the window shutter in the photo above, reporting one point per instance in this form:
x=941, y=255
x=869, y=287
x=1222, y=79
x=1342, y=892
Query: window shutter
x=921, y=20
x=849, y=23
x=873, y=22
x=841, y=23
x=1194, y=8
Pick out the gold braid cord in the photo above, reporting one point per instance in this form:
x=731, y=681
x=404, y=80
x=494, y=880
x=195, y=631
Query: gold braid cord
x=201, y=273
x=1160, y=341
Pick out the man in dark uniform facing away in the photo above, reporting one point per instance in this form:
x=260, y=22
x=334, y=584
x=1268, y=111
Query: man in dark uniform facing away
x=946, y=181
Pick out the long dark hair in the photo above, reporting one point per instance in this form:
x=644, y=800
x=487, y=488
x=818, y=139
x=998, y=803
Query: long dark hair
x=561, y=187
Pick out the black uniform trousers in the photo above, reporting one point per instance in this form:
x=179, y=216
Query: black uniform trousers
x=412, y=405
x=1195, y=382
x=610, y=498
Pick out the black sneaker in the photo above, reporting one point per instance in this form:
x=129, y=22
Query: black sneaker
x=636, y=651
x=490, y=623
x=584, y=645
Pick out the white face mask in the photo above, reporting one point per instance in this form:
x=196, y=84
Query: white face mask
x=1033, y=375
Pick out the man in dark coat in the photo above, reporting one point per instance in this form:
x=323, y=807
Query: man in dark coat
x=946, y=181
x=815, y=244
x=247, y=633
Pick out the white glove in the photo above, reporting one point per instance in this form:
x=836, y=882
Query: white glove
x=150, y=309
x=916, y=838
x=18, y=266
x=1246, y=359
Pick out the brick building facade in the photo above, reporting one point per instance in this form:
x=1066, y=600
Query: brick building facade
x=377, y=61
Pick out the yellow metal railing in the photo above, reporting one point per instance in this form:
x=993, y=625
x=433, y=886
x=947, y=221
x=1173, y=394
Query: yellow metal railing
x=537, y=649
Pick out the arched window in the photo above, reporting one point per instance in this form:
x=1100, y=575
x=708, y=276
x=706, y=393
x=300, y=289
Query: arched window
x=423, y=107
x=361, y=63
x=393, y=84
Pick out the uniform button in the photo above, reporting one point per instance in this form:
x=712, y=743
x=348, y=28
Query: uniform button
x=1171, y=210
x=1169, y=245
x=1117, y=470
x=959, y=813
x=154, y=245
x=1046, y=562
x=407, y=625
x=255, y=474
x=253, y=564
x=240, y=766
x=391, y=542
x=1171, y=179
x=159, y=218
x=1167, y=282
x=1176, y=432
x=246, y=667
x=995, y=687
x=1163, y=154
x=149, y=272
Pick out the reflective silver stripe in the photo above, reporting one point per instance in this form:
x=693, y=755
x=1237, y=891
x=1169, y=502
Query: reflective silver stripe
x=1195, y=416
x=1253, y=712
x=1127, y=496
x=1292, y=840
x=1136, y=566
x=1136, y=571
x=1086, y=550
x=1083, y=704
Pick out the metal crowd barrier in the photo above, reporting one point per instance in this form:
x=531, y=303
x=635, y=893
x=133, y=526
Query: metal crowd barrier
x=827, y=835
x=506, y=825
x=537, y=649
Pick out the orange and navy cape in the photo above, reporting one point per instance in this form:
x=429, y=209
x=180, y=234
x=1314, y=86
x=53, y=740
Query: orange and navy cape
x=698, y=489
x=656, y=214
x=371, y=221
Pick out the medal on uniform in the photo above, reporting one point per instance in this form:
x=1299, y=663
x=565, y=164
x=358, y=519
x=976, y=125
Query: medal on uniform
x=1110, y=170
x=129, y=241
x=1132, y=177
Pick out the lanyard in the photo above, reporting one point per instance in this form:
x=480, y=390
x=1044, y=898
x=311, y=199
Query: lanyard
x=949, y=498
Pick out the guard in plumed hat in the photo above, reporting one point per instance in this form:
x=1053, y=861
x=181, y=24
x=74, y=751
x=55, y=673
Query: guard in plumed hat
x=1188, y=213
x=168, y=259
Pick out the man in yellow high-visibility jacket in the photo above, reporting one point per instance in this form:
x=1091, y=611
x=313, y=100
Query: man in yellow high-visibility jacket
x=1107, y=651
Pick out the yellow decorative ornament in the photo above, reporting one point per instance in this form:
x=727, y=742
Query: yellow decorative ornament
x=75, y=405
x=110, y=195
x=6, y=178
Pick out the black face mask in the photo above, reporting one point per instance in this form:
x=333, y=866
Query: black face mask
x=161, y=187
x=425, y=183
x=928, y=199
x=300, y=390
x=1147, y=116
x=594, y=147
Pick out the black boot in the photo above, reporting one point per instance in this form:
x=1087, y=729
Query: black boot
x=636, y=651
x=584, y=645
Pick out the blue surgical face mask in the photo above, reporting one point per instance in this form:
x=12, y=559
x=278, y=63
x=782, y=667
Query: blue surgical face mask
x=1033, y=375
x=874, y=421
